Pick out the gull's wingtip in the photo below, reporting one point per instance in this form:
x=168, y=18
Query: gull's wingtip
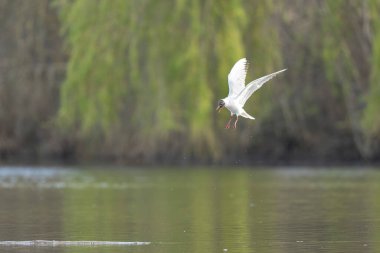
x=280, y=71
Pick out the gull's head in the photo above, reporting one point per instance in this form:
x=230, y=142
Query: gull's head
x=221, y=104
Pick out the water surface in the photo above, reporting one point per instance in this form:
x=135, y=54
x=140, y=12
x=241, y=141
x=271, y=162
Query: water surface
x=189, y=210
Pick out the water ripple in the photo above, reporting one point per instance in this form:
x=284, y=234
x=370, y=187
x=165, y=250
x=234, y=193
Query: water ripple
x=46, y=243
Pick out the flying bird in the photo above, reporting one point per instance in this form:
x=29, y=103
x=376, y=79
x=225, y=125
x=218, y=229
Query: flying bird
x=239, y=92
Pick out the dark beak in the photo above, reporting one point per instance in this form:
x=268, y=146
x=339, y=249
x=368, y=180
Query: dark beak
x=218, y=108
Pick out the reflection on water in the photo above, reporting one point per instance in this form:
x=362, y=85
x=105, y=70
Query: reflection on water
x=199, y=210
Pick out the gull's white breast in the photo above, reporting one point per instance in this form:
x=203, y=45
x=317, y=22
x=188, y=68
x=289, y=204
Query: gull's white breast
x=233, y=107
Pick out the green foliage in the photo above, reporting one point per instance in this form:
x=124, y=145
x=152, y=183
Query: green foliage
x=162, y=65
x=147, y=74
x=138, y=80
x=371, y=120
x=261, y=39
x=351, y=52
x=95, y=83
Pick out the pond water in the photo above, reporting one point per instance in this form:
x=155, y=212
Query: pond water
x=189, y=210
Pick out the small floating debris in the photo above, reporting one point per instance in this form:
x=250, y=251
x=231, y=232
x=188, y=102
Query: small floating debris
x=46, y=243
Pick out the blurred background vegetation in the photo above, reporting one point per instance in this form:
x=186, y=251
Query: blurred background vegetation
x=137, y=81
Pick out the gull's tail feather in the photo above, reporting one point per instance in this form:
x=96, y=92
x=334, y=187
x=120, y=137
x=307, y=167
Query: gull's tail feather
x=246, y=115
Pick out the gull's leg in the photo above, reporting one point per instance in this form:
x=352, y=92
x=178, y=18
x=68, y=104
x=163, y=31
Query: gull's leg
x=237, y=118
x=229, y=122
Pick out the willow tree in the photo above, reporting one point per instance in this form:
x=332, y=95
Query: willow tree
x=351, y=53
x=147, y=74
x=371, y=120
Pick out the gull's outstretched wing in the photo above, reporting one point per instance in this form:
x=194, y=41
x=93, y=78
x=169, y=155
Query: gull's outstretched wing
x=236, y=77
x=255, y=85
